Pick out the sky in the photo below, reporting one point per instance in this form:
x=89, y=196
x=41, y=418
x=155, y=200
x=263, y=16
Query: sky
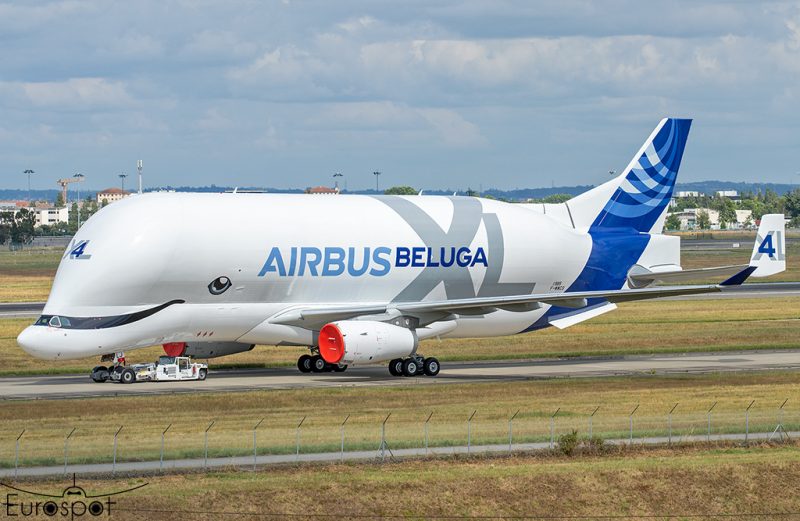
x=431, y=93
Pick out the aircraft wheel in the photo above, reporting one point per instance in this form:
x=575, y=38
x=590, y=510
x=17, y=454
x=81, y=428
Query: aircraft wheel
x=339, y=368
x=318, y=365
x=410, y=367
x=202, y=374
x=431, y=366
x=396, y=367
x=128, y=376
x=304, y=364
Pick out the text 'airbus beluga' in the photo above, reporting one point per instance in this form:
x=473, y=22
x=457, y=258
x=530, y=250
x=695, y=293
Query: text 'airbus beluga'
x=362, y=279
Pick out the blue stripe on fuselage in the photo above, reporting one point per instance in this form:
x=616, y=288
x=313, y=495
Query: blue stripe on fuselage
x=614, y=252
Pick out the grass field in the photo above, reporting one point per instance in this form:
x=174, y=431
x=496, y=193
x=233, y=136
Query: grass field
x=679, y=483
x=644, y=327
x=144, y=417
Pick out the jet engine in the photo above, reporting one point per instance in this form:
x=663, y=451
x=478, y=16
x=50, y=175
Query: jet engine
x=205, y=349
x=351, y=342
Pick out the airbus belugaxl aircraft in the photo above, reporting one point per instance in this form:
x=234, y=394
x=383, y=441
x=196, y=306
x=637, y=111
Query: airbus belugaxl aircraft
x=362, y=279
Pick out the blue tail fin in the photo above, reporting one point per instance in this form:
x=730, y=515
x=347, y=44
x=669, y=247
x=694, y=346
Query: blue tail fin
x=637, y=199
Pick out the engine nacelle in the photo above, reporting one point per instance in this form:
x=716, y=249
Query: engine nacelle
x=205, y=349
x=353, y=342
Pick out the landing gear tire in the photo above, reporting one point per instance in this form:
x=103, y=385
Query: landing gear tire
x=128, y=376
x=339, y=368
x=100, y=374
x=304, y=364
x=431, y=366
x=410, y=367
x=318, y=365
x=396, y=367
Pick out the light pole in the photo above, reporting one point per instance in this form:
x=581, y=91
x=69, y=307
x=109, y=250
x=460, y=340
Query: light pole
x=123, y=176
x=80, y=177
x=377, y=177
x=28, y=172
x=139, y=166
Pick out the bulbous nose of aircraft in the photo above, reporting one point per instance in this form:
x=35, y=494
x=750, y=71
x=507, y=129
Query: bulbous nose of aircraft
x=39, y=342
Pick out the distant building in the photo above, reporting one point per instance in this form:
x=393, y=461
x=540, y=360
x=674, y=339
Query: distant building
x=683, y=195
x=50, y=216
x=109, y=195
x=9, y=206
x=730, y=194
x=322, y=190
x=688, y=219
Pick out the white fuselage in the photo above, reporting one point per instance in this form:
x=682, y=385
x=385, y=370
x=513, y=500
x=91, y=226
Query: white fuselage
x=285, y=251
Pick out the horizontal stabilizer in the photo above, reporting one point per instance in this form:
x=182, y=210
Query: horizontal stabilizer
x=642, y=279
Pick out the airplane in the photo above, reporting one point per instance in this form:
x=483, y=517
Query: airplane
x=362, y=279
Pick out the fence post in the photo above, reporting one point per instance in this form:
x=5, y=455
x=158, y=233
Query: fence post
x=255, y=445
x=708, y=417
x=205, y=444
x=297, y=439
x=553, y=428
x=341, y=428
x=163, y=433
x=426, y=432
x=669, y=421
x=383, y=437
x=469, y=432
x=16, y=454
x=630, y=418
x=511, y=430
x=66, y=448
x=747, y=422
x=591, y=421
x=114, y=461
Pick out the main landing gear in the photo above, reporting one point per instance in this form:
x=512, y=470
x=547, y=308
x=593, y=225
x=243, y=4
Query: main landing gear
x=315, y=364
x=414, y=366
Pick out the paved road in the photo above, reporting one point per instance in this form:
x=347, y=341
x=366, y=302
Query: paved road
x=150, y=467
x=80, y=386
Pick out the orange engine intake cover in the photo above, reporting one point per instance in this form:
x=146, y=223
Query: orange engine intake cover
x=331, y=343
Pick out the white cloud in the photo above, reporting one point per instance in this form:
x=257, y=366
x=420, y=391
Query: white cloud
x=453, y=129
x=509, y=83
x=74, y=93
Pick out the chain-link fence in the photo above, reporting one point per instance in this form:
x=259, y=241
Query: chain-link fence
x=383, y=432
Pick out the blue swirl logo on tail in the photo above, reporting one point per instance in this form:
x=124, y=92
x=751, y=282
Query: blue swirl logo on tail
x=646, y=186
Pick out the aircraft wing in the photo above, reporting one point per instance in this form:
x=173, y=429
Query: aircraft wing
x=315, y=317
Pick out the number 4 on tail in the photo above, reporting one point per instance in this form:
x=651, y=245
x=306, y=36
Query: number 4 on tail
x=766, y=246
x=771, y=246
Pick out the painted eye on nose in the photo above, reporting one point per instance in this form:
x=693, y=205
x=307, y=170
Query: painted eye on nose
x=219, y=285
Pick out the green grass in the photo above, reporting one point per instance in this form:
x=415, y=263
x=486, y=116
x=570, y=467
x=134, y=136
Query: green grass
x=47, y=421
x=660, y=484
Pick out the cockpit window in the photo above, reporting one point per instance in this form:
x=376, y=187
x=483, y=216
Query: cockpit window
x=100, y=322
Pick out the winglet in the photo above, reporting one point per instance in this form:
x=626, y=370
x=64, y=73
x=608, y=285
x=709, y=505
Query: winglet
x=739, y=278
x=769, y=250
